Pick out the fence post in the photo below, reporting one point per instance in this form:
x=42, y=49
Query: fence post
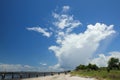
x=65, y=72
x=28, y=75
x=58, y=73
x=44, y=74
x=3, y=76
x=12, y=75
x=36, y=75
x=20, y=76
x=52, y=74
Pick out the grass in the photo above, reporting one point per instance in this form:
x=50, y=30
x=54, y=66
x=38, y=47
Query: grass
x=100, y=75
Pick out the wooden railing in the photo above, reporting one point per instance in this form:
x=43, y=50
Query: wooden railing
x=21, y=75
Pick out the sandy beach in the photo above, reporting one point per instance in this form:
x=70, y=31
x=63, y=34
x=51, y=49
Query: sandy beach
x=60, y=77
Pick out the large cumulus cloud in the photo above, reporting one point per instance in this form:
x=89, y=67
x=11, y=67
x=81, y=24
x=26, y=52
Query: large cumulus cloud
x=77, y=48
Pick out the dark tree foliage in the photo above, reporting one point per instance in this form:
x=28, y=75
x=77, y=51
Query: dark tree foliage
x=81, y=67
x=88, y=67
x=113, y=63
x=92, y=67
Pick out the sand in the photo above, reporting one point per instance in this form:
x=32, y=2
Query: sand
x=60, y=77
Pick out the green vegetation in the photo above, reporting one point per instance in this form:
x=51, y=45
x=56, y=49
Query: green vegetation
x=114, y=63
x=100, y=75
x=111, y=72
x=88, y=67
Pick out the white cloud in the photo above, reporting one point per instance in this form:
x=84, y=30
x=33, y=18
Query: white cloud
x=19, y=67
x=66, y=8
x=75, y=49
x=40, y=30
x=15, y=67
x=56, y=67
x=43, y=64
x=102, y=59
x=65, y=20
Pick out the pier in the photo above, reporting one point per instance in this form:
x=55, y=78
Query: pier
x=22, y=75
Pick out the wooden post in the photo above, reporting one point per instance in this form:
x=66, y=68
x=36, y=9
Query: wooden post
x=44, y=74
x=52, y=74
x=37, y=75
x=65, y=72
x=3, y=76
x=20, y=76
x=58, y=73
x=29, y=75
x=12, y=75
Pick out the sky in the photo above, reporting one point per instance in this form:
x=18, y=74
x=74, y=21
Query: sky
x=44, y=35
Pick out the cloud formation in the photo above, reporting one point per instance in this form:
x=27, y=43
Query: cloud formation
x=43, y=64
x=66, y=8
x=40, y=30
x=102, y=59
x=74, y=49
x=16, y=67
x=65, y=21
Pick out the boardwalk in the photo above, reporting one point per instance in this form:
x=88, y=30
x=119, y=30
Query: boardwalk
x=22, y=75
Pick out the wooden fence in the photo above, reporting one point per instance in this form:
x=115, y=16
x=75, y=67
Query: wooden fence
x=21, y=75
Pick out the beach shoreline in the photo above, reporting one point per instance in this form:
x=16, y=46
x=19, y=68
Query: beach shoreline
x=60, y=77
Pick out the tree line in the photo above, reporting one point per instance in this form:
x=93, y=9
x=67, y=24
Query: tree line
x=113, y=64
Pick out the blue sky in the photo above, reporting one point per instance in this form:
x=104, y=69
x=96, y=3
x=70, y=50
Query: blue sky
x=21, y=45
